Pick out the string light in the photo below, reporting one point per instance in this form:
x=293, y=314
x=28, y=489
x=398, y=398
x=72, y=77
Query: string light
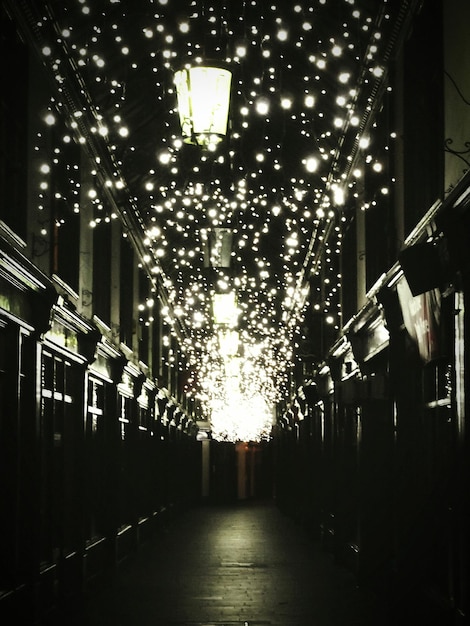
x=270, y=182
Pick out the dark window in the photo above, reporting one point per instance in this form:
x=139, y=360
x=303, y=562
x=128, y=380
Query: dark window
x=126, y=486
x=8, y=457
x=60, y=434
x=96, y=461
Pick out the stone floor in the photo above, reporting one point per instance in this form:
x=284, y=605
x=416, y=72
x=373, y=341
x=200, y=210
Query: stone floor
x=245, y=564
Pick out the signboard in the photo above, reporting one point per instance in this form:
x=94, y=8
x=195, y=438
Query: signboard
x=421, y=315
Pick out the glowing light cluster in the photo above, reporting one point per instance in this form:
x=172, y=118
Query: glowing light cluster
x=302, y=78
x=238, y=391
x=241, y=417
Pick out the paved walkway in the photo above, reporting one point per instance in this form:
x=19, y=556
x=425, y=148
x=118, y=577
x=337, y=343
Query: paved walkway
x=245, y=564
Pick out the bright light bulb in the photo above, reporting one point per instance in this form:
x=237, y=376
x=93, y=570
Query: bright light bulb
x=165, y=158
x=309, y=101
x=262, y=106
x=311, y=164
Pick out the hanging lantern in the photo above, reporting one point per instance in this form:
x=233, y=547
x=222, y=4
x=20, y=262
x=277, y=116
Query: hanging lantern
x=217, y=246
x=203, y=103
x=225, y=309
x=228, y=342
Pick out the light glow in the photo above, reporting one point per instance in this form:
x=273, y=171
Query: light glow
x=226, y=230
x=203, y=103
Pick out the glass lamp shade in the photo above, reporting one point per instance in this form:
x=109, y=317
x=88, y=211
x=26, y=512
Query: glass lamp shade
x=203, y=94
x=225, y=309
x=228, y=343
x=217, y=246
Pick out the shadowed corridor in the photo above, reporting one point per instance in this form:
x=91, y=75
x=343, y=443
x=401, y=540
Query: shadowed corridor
x=225, y=565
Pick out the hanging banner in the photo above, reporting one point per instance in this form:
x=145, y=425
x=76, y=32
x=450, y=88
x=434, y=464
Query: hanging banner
x=421, y=315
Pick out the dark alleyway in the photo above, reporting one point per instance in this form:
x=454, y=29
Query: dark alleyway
x=227, y=565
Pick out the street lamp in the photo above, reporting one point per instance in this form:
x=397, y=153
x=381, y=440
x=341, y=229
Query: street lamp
x=203, y=93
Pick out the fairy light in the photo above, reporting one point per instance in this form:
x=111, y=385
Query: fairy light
x=271, y=185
